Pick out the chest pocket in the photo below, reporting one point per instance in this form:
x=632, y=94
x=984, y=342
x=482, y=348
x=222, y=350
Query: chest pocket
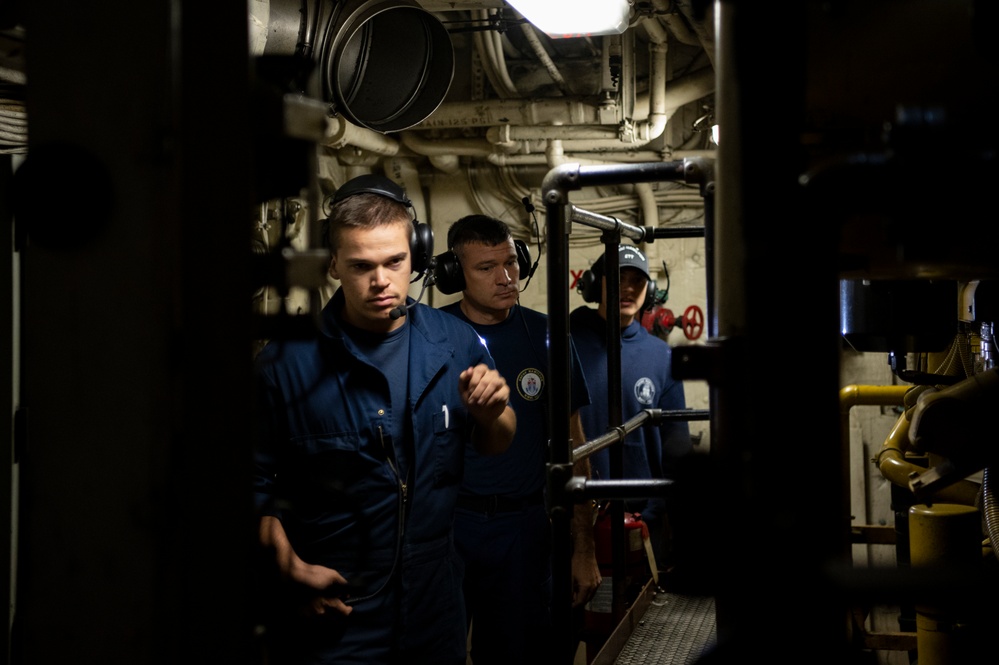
x=330, y=459
x=448, y=448
x=316, y=444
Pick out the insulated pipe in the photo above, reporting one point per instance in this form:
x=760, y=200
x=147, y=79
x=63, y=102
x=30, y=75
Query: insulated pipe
x=568, y=111
x=656, y=122
x=592, y=158
x=655, y=30
x=508, y=134
x=341, y=133
x=542, y=55
x=493, y=62
x=642, y=132
x=449, y=164
x=421, y=145
x=650, y=208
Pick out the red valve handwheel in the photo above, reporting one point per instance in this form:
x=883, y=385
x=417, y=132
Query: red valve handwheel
x=693, y=322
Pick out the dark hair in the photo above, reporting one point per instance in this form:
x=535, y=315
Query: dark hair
x=363, y=211
x=479, y=229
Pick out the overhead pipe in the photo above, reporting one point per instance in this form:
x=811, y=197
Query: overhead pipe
x=647, y=198
x=435, y=149
x=449, y=164
x=519, y=113
x=340, y=133
x=640, y=132
x=493, y=63
x=422, y=145
x=544, y=58
x=604, y=157
x=667, y=14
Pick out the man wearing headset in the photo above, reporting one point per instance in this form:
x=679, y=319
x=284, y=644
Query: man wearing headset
x=649, y=452
x=502, y=529
x=361, y=448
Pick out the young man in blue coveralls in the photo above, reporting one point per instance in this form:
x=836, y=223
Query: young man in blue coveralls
x=364, y=433
x=502, y=530
x=646, y=383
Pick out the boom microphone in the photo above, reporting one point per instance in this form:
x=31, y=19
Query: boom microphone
x=402, y=310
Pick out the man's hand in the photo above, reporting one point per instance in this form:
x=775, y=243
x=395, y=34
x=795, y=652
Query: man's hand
x=326, y=586
x=486, y=396
x=322, y=587
x=585, y=577
x=484, y=392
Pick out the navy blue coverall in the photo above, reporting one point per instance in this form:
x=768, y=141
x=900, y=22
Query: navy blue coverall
x=354, y=498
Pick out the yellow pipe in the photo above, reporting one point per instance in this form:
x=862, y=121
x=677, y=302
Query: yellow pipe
x=891, y=459
x=940, y=536
x=891, y=462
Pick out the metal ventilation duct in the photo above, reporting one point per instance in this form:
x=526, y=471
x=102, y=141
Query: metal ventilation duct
x=383, y=64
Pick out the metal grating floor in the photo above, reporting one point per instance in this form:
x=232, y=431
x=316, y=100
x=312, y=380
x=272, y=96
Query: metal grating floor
x=673, y=629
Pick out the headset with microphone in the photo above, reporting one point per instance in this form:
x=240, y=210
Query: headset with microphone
x=589, y=286
x=421, y=238
x=449, y=276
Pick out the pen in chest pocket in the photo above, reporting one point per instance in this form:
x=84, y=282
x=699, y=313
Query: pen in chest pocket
x=446, y=417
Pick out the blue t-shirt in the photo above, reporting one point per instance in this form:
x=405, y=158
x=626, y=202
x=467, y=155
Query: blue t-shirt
x=519, y=345
x=390, y=353
x=646, y=383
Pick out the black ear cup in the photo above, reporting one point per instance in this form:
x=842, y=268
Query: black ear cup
x=523, y=259
x=421, y=246
x=449, y=276
x=589, y=287
x=421, y=240
x=650, y=296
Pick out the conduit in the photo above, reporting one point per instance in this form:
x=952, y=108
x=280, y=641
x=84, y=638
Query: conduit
x=542, y=55
x=494, y=64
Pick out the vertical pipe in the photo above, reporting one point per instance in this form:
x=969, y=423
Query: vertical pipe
x=612, y=273
x=557, y=212
x=760, y=206
x=943, y=536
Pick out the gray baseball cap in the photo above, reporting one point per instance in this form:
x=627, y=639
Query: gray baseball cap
x=628, y=256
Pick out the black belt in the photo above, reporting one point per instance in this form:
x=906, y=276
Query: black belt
x=496, y=503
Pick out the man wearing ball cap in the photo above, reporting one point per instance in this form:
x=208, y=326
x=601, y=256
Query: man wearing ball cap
x=649, y=452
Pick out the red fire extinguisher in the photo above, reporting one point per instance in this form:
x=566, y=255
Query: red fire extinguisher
x=636, y=532
x=598, y=617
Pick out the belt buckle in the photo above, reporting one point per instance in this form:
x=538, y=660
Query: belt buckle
x=492, y=504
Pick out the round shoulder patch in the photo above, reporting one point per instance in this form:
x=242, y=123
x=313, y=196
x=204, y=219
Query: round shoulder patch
x=645, y=391
x=530, y=383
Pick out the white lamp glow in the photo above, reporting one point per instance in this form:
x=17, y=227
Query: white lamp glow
x=575, y=18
